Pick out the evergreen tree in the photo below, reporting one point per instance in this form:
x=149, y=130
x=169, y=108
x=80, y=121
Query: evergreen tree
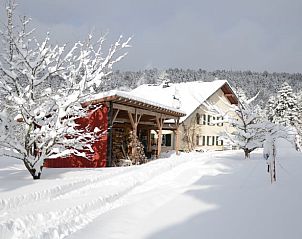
x=284, y=110
x=299, y=123
x=285, y=107
x=265, y=83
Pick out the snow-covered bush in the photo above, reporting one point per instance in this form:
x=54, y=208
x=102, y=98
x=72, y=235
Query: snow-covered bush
x=44, y=116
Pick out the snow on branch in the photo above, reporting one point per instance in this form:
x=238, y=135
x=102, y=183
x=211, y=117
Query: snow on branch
x=45, y=116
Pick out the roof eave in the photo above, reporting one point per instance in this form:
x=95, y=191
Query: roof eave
x=135, y=103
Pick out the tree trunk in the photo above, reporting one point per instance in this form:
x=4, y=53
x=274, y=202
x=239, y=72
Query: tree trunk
x=33, y=171
x=247, y=153
x=37, y=176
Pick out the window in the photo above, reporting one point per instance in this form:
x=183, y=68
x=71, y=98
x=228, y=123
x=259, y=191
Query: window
x=167, y=140
x=220, y=119
x=219, y=142
x=201, y=119
x=213, y=119
x=200, y=140
x=210, y=120
x=204, y=119
x=210, y=140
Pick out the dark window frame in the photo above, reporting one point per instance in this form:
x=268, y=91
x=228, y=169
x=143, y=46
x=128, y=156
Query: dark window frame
x=219, y=142
x=212, y=138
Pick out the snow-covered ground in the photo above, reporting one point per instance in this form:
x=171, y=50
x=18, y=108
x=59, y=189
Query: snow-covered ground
x=196, y=195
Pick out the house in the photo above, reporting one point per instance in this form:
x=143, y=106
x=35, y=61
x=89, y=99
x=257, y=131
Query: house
x=207, y=106
x=183, y=116
x=119, y=116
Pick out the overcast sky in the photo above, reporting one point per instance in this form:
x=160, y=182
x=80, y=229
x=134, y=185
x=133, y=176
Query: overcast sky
x=252, y=35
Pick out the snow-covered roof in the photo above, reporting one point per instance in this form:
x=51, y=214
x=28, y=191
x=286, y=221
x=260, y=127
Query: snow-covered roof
x=114, y=95
x=185, y=96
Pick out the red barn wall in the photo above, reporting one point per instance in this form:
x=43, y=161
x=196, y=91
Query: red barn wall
x=95, y=118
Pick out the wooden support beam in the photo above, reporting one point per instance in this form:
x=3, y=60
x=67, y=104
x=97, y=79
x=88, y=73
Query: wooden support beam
x=142, y=111
x=147, y=112
x=123, y=120
x=170, y=126
x=149, y=143
x=134, y=120
x=124, y=107
x=177, y=136
x=131, y=119
x=115, y=115
x=159, y=142
x=159, y=122
x=134, y=123
x=138, y=116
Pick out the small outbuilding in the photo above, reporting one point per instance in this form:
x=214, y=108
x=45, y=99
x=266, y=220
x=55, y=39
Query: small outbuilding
x=125, y=123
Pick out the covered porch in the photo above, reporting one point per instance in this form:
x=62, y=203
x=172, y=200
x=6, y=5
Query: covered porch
x=130, y=122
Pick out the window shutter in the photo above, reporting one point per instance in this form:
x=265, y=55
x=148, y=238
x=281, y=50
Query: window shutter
x=219, y=142
x=197, y=118
x=204, y=119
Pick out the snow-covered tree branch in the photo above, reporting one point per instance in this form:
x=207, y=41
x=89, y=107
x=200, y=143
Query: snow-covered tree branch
x=249, y=129
x=36, y=120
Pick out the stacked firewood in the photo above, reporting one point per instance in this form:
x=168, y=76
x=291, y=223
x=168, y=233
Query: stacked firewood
x=136, y=150
x=119, y=149
x=126, y=149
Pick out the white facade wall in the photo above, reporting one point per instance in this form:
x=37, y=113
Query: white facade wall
x=203, y=134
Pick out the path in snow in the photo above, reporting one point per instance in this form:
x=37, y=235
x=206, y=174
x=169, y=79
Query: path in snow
x=134, y=218
x=58, y=211
x=175, y=197
x=188, y=202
